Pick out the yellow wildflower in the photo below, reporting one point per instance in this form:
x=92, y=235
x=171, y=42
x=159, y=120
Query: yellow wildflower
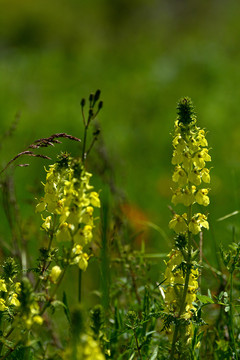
x=202, y=198
x=55, y=273
x=3, y=307
x=3, y=286
x=14, y=300
x=178, y=223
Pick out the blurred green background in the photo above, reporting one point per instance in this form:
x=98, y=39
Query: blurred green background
x=143, y=55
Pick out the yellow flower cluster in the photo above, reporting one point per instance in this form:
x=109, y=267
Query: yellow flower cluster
x=175, y=280
x=33, y=316
x=190, y=155
x=9, y=294
x=70, y=199
x=86, y=349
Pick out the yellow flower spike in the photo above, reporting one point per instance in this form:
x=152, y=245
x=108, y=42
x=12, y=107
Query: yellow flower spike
x=202, y=198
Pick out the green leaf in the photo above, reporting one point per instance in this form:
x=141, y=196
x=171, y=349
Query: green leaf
x=205, y=299
x=66, y=308
x=228, y=215
x=154, y=354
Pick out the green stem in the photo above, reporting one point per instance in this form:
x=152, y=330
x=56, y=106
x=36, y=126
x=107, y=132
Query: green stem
x=185, y=289
x=84, y=144
x=51, y=236
x=10, y=351
x=48, y=303
x=231, y=315
x=137, y=344
x=79, y=285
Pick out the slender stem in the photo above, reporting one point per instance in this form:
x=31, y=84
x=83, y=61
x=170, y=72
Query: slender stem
x=79, y=285
x=51, y=235
x=84, y=144
x=231, y=315
x=137, y=344
x=185, y=289
x=10, y=351
x=54, y=292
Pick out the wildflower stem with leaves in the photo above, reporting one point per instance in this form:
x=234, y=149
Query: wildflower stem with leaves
x=189, y=157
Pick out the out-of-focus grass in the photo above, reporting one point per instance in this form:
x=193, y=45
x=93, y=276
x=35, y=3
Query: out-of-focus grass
x=143, y=55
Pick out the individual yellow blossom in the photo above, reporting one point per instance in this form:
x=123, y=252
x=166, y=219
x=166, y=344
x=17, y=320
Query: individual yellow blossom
x=64, y=232
x=84, y=236
x=180, y=176
x=187, y=161
x=179, y=143
x=193, y=144
x=14, y=300
x=79, y=257
x=41, y=206
x=178, y=223
x=87, y=216
x=94, y=199
x=3, y=286
x=184, y=196
x=194, y=177
x=38, y=319
x=177, y=196
x=202, y=198
x=55, y=273
x=201, y=157
x=194, y=226
x=201, y=138
x=177, y=158
x=83, y=261
x=205, y=175
x=47, y=223
x=197, y=222
x=18, y=287
x=3, y=307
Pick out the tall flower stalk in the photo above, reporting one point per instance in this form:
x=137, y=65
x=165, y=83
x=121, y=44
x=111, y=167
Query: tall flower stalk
x=190, y=176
